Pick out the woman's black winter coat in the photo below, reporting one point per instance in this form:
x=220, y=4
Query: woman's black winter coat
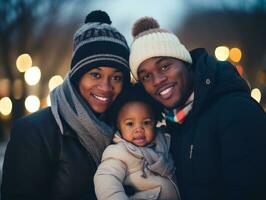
x=41, y=163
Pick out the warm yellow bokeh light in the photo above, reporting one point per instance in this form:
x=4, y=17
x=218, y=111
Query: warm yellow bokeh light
x=221, y=53
x=261, y=76
x=256, y=94
x=32, y=76
x=55, y=81
x=32, y=103
x=23, y=62
x=4, y=87
x=235, y=54
x=5, y=106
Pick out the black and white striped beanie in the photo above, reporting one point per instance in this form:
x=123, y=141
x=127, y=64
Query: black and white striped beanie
x=97, y=44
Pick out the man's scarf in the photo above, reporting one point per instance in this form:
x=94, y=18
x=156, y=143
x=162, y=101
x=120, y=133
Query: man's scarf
x=178, y=115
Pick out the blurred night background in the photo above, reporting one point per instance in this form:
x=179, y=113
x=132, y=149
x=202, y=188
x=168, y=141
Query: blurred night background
x=36, y=42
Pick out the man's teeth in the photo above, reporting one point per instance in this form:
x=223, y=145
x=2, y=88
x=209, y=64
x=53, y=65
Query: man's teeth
x=101, y=98
x=165, y=91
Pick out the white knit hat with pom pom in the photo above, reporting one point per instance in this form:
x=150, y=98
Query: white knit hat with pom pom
x=151, y=41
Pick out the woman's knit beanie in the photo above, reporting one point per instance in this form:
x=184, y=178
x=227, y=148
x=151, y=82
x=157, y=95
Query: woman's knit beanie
x=152, y=41
x=97, y=44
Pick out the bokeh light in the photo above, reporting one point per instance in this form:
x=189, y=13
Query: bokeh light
x=261, y=76
x=32, y=103
x=5, y=106
x=256, y=94
x=235, y=54
x=221, y=53
x=23, y=62
x=55, y=81
x=5, y=87
x=32, y=76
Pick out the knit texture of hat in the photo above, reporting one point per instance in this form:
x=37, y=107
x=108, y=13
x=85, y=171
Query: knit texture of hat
x=98, y=44
x=151, y=41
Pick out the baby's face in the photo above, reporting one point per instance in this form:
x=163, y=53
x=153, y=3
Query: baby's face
x=136, y=123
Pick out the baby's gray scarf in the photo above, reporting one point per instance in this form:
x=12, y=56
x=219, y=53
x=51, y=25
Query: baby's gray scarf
x=93, y=133
x=157, y=156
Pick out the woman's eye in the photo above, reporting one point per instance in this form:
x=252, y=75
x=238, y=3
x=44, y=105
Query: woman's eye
x=117, y=78
x=129, y=124
x=95, y=75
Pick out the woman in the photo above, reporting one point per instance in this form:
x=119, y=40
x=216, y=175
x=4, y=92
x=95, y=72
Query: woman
x=54, y=153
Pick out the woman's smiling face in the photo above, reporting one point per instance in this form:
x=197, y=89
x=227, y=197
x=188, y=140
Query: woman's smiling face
x=100, y=86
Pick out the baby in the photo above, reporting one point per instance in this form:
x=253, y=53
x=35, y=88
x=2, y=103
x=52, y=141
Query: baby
x=139, y=157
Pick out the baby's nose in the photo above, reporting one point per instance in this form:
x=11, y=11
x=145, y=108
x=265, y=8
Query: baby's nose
x=139, y=129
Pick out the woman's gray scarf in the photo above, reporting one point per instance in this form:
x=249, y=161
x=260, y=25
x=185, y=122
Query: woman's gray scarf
x=93, y=133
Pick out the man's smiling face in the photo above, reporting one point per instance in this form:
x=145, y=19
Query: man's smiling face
x=166, y=79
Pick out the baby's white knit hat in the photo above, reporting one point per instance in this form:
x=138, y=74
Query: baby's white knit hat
x=151, y=41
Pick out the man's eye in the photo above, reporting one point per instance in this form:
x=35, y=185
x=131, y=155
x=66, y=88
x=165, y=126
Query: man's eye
x=145, y=77
x=95, y=75
x=164, y=67
x=129, y=124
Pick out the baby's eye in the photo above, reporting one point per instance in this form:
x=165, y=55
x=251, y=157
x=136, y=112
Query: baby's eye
x=148, y=123
x=95, y=75
x=129, y=123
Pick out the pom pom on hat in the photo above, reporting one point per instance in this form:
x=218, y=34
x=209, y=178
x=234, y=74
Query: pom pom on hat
x=98, y=16
x=144, y=24
x=152, y=41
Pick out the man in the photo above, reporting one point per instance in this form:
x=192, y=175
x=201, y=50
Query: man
x=218, y=131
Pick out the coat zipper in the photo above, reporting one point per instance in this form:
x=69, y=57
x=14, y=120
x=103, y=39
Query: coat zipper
x=191, y=151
